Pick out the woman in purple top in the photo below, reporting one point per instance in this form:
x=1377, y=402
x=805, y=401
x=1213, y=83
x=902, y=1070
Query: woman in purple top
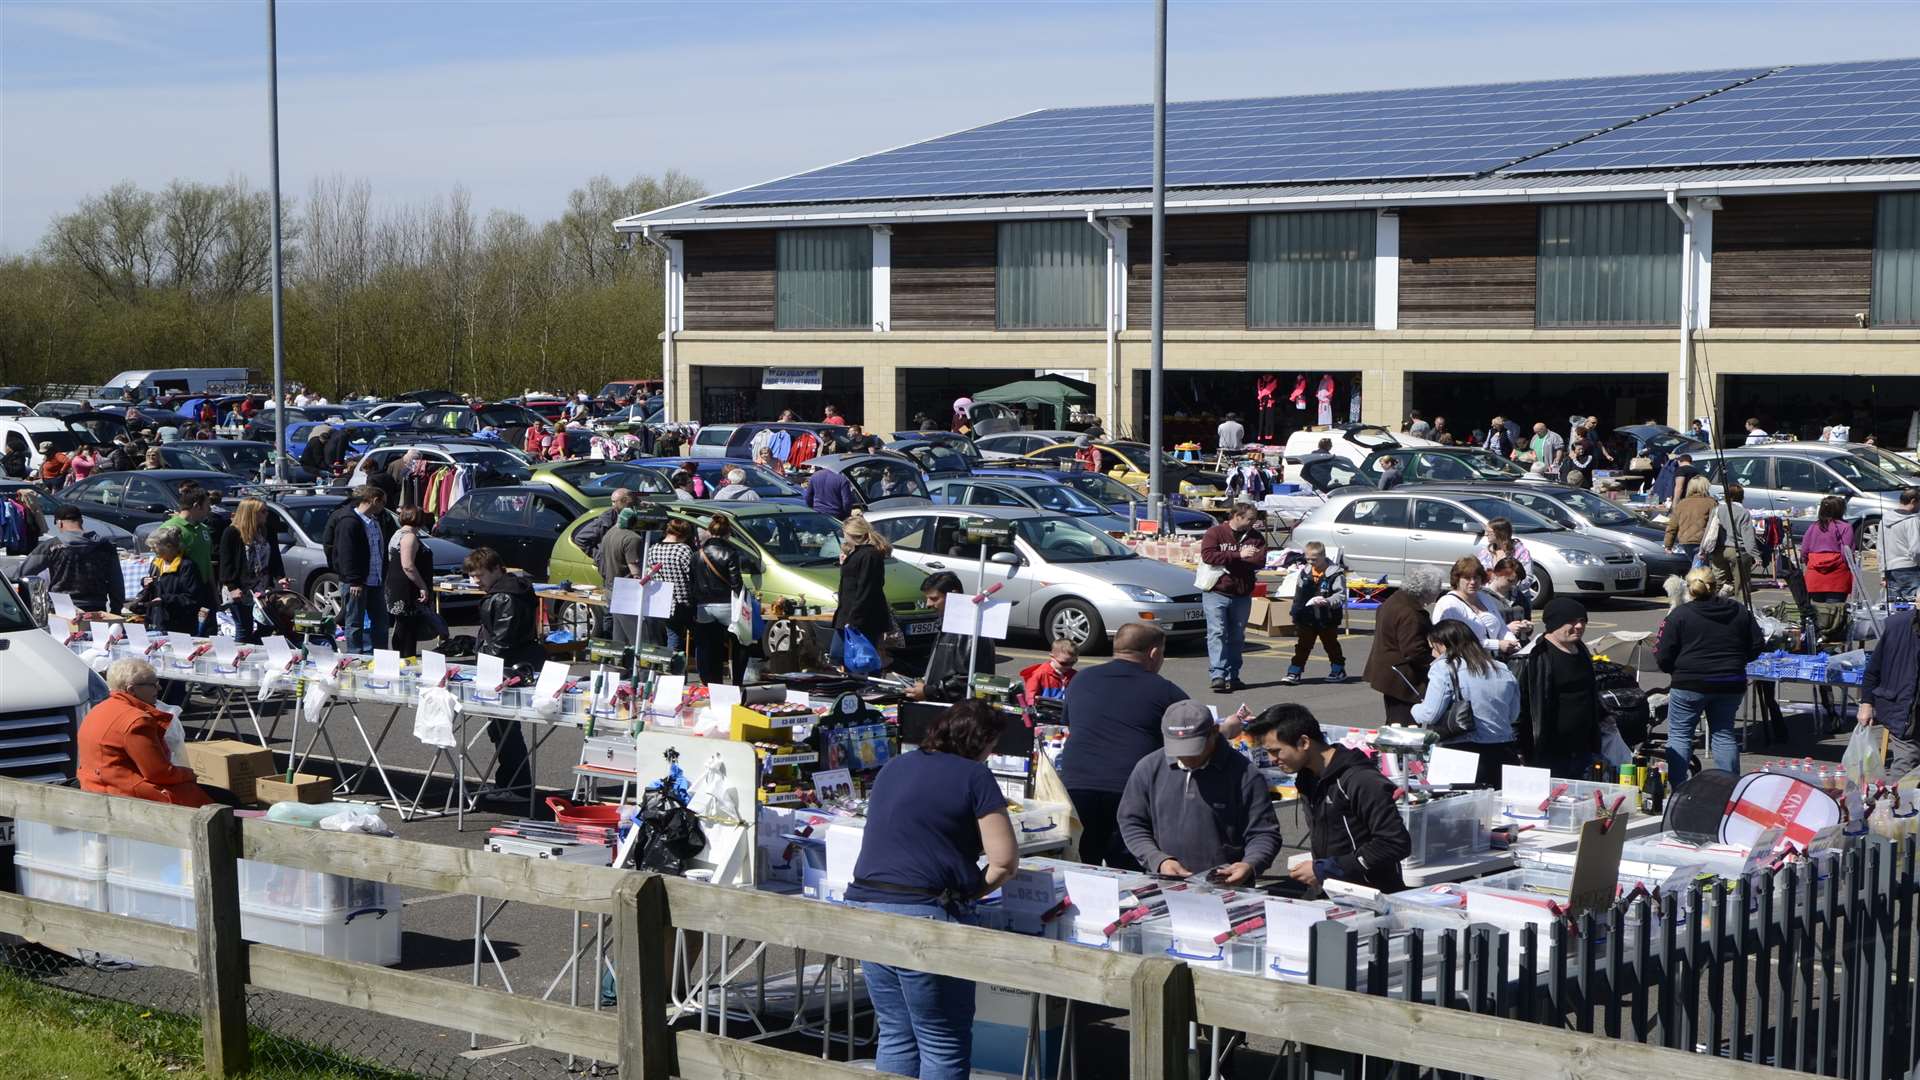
x=1826, y=545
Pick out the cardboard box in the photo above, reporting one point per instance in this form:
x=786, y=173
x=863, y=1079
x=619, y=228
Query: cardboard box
x=1257, y=614
x=230, y=764
x=1280, y=617
x=304, y=789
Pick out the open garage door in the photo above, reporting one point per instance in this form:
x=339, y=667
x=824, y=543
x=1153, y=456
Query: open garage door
x=1804, y=406
x=1468, y=400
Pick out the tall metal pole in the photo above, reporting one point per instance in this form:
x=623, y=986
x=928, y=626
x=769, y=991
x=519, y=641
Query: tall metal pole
x=1156, y=498
x=279, y=326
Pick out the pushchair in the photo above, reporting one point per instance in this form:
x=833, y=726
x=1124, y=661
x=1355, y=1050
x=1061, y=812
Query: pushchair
x=294, y=617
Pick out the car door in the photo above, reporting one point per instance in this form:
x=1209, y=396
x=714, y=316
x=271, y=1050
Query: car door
x=911, y=536
x=991, y=495
x=99, y=497
x=1547, y=508
x=145, y=500
x=548, y=517
x=1800, y=484
x=1371, y=535
x=1441, y=534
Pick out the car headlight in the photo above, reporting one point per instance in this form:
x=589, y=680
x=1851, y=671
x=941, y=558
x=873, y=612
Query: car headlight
x=1140, y=595
x=1581, y=558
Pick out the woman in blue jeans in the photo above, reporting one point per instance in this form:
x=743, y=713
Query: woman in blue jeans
x=1705, y=645
x=931, y=814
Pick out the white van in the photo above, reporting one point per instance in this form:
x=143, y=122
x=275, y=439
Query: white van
x=28, y=432
x=190, y=381
x=45, y=690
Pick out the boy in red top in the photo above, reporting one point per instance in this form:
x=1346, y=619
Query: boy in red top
x=1052, y=674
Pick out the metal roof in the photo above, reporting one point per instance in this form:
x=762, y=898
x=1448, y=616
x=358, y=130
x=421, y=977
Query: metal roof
x=1498, y=187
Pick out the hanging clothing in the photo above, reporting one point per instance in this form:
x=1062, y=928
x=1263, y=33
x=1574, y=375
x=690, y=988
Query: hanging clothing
x=1324, y=396
x=780, y=445
x=805, y=447
x=1266, y=396
x=1353, y=407
x=1299, y=394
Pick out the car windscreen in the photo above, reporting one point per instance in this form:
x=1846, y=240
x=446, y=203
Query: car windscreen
x=13, y=613
x=1672, y=442
x=1862, y=475
x=65, y=442
x=1602, y=512
x=1491, y=466
x=762, y=482
x=885, y=480
x=312, y=518
x=1373, y=438
x=498, y=463
x=936, y=458
x=1892, y=464
x=604, y=477
x=1102, y=488
x=1063, y=499
x=802, y=538
x=1524, y=520
x=1064, y=540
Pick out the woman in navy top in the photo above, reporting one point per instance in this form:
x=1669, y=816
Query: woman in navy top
x=933, y=811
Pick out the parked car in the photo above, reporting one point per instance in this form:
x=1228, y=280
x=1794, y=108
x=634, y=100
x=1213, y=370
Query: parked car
x=104, y=427
x=799, y=554
x=1121, y=500
x=1033, y=492
x=45, y=504
x=520, y=521
x=301, y=522
x=590, y=479
x=1447, y=464
x=1018, y=444
x=26, y=433
x=878, y=480
x=1352, y=443
x=1644, y=440
x=950, y=440
x=1128, y=462
x=492, y=462
x=1582, y=511
x=1380, y=534
x=10, y=407
x=770, y=486
x=736, y=440
x=63, y=406
x=1065, y=578
x=934, y=461
x=622, y=392
x=1794, y=477
x=361, y=434
x=511, y=421
x=238, y=457
x=627, y=418
x=133, y=499
x=401, y=412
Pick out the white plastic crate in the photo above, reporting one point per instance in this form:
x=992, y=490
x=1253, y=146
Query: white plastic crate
x=54, y=847
x=60, y=884
x=369, y=935
x=169, y=905
x=140, y=862
x=267, y=886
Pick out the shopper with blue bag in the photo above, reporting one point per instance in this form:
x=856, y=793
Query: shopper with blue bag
x=862, y=620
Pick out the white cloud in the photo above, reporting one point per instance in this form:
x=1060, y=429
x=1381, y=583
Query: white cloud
x=782, y=97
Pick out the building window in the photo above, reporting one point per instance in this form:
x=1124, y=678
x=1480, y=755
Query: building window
x=1896, y=260
x=1311, y=269
x=1052, y=276
x=1608, y=264
x=823, y=279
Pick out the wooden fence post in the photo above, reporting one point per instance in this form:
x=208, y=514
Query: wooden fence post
x=1162, y=1014
x=643, y=938
x=223, y=955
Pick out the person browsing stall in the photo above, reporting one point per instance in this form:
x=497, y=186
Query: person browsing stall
x=1559, y=695
x=1469, y=602
x=1705, y=644
x=509, y=629
x=1462, y=671
x=947, y=678
x=932, y=813
x=1355, y=832
x=1197, y=806
x=1235, y=548
x=1051, y=676
x=1113, y=712
x=1397, y=661
x=78, y=563
x=359, y=548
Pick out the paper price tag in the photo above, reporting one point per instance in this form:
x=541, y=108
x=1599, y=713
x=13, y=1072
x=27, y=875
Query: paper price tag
x=957, y=616
x=102, y=635
x=623, y=598
x=1198, y=917
x=63, y=605
x=1096, y=905
x=553, y=679
x=386, y=664
x=137, y=638
x=489, y=673
x=226, y=651
x=433, y=668
x=60, y=627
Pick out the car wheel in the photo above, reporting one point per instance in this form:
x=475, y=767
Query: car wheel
x=1076, y=621
x=1869, y=535
x=581, y=620
x=329, y=594
x=1545, y=592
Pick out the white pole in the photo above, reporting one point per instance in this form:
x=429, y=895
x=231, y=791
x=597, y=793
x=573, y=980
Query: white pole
x=1155, y=404
x=279, y=325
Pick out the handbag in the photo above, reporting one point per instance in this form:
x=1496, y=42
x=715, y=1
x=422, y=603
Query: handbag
x=1458, y=721
x=1206, y=576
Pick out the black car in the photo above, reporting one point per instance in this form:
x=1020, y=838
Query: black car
x=511, y=421
x=240, y=457
x=520, y=521
x=132, y=499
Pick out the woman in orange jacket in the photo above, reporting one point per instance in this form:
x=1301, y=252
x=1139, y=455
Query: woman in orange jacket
x=123, y=743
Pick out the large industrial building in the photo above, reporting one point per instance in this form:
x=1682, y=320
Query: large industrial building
x=1713, y=243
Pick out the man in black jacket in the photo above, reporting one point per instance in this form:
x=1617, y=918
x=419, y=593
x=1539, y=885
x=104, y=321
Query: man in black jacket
x=79, y=564
x=509, y=629
x=947, y=678
x=1357, y=834
x=357, y=551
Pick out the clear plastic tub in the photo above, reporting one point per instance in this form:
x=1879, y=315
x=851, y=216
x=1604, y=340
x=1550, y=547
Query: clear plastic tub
x=1040, y=825
x=264, y=885
x=1667, y=849
x=170, y=905
x=1450, y=829
x=369, y=935
x=1573, y=808
x=60, y=884
x=150, y=864
x=1241, y=954
x=53, y=847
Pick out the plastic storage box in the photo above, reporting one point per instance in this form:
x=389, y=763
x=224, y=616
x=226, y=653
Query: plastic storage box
x=141, y=863
x=1574, y=807
x=1451, y=828
x=60, y=884
x=1241, y=954
x=271, y=887
x=1667, y=849
x=369, y=935
x=53, y=847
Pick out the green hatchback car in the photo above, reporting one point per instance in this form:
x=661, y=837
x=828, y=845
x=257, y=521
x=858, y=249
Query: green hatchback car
x=799, y=553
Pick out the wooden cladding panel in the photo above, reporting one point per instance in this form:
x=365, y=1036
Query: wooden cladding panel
x=729, y=282
x=1205, y=273
x=1469, y=267
x=1793, y=261
x=943, y=276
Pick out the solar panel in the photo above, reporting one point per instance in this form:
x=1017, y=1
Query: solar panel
x=1447, y=131
x=1817, y=112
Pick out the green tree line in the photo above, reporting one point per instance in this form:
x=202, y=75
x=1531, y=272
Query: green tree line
x=383, y=301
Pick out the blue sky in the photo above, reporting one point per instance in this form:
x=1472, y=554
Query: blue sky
x=519, y=102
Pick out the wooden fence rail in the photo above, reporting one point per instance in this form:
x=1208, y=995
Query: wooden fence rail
x=1162, y=997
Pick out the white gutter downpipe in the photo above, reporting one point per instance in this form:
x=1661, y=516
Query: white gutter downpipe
x=668, y=288
x=1111, y=420
x=1685, y=214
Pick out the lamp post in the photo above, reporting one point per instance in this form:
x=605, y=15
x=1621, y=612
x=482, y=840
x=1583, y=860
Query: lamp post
x=279, y=324
x=1156, y=499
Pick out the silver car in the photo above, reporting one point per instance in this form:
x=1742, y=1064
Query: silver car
x=1065, y=578
x=1795, y=477
x=1380, y=534
x=1583, y=511
x=1018, y=444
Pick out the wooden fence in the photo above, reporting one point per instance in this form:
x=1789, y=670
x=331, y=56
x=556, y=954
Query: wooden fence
x=1161, y=996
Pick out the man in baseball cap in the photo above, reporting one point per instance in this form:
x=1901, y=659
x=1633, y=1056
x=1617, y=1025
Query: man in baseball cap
x=1196, y=806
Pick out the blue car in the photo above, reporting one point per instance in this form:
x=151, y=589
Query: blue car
x=361, y=434
x=1117, y=497
x=770, y=487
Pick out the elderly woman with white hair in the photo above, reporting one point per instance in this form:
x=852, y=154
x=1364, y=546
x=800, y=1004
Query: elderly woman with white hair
x=123, y=742
x=1397, y=662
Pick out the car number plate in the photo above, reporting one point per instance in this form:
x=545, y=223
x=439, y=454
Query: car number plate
x=1193, y=613
x=922, y=629
x=1629, y=575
